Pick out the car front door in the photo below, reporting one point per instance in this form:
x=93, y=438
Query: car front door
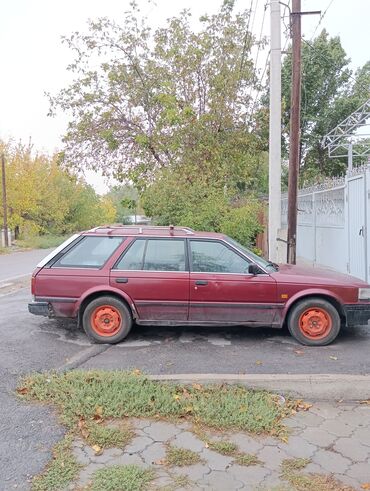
x=222, y=290
x=154, y=273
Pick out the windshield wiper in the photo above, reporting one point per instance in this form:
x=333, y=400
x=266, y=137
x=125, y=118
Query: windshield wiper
x=274, y=265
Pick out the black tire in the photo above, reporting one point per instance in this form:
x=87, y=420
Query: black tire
x=325, y=313
x=116, y=312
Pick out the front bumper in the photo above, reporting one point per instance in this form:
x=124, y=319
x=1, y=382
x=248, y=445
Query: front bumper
x=357, y=314
x=39, y=308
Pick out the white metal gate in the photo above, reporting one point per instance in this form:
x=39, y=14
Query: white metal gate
x=333, y=220
x=356, y=226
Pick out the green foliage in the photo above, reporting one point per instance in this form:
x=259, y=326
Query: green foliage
x=45, y=199
x=243, y=223
x=122, y=478
x=105, y=436
x=168, y=111
x=61, y=471
x=120, y=394
x=330, y=93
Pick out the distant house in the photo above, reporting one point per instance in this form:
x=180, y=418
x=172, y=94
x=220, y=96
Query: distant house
x=137, y=220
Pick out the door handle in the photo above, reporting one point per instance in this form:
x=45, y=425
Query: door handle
x=121, y=280
x=201, y=282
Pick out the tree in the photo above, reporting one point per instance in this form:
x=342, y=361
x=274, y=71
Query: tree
x=144, y=101
x=330, y=92
x=45, y=198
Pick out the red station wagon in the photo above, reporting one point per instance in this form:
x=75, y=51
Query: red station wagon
x=109, y=277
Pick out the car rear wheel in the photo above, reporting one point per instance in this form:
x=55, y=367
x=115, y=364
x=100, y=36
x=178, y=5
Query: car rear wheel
x=314, y=322
x=107, y=320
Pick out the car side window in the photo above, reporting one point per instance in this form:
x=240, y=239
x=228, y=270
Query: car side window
x=215, y=257
x=165, y=255
x=154, y=255
x=132, y=259
x=90, y=252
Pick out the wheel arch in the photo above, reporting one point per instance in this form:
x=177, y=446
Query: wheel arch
x=105, y=292
x=323, y=296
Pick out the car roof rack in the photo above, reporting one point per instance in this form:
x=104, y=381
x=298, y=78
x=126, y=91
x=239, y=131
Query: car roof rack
x=141, y=228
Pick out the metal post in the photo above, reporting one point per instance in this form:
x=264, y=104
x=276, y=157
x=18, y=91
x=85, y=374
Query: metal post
x=295, y=130
x=350, y=157
x=5, y=206
x=274, y=223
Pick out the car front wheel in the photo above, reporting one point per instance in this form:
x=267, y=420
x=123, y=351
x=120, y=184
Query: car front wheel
x=107, y=320
x=314, y=322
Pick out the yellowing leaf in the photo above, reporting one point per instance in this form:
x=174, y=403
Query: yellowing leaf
x=258, y=362
x=333, y=357
x=176, y=397
x=99, y=411
x=365, y=485
x=97, y=449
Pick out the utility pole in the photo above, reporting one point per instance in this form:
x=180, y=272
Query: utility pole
x=295, y=128
x=5, y=206
x=275, y=131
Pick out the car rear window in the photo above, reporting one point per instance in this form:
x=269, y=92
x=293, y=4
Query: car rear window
x=90, y=252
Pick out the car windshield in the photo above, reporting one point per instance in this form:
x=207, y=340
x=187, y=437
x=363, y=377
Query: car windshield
x=267, y=265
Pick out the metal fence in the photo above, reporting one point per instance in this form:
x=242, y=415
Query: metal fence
x=333, y=223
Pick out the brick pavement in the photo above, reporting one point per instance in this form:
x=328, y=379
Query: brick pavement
x=334, y=438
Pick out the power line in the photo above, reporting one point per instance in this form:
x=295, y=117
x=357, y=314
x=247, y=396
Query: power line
x=258, y=50
x=321, y=18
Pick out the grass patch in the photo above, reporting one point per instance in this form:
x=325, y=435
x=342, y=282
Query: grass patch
x=122, y=478
x=293, y=465
x=120, y=394
x=247, y=459
x=42, y=241
x=61, y=471
x=308, y=482
x=181, y=457
x=106, y=437
x=224, y=447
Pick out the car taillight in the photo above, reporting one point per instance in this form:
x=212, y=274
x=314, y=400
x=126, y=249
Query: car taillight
x=33, y=284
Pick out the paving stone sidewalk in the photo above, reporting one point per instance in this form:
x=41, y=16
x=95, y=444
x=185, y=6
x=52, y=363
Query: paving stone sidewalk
x=335, y=438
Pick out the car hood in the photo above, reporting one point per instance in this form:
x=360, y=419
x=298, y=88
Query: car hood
x=291, y=273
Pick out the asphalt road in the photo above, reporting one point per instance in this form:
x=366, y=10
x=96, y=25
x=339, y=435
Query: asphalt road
x=20, y=263
x=32, y=343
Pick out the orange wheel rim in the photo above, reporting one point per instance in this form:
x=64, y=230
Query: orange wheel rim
x=106, y=320
x=315, y=323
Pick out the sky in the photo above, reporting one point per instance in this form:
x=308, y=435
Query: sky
x=33, y=59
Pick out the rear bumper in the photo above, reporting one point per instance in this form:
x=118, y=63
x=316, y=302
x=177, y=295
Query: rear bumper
x=40, y=308
x=357, y=315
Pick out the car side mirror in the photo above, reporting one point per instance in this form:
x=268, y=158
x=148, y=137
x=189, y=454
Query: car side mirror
x=253, y=269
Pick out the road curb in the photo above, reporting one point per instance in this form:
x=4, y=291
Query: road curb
x=310, y=386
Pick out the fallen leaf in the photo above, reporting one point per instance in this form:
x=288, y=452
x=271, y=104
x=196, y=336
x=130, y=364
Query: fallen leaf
x=136, y=372
x=333, y=357
x=23, y=390
x=189, y=409
x=176, y=397
x=365, y=485
x=284, y=439
x=206, y=445
x=298, y=352
x=258, y=362
x=160, y=462
x=366, y=401
x=98, y=450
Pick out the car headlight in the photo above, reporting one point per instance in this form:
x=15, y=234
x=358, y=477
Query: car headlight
x=364, y=293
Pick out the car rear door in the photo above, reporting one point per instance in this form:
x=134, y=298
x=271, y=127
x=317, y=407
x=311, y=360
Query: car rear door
x=154, y=273
x=222, y=290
